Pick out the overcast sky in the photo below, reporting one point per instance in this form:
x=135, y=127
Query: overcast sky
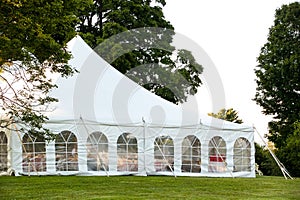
x=231, y=32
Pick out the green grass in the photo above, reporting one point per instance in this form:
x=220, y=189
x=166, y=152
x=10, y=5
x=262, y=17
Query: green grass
x=153, y=187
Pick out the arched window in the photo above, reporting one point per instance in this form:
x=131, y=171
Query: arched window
x=191, y=154
x=66, y=155
x=34, y=153
x=3, y=151
x=127, y=150
x=217, y=155
x=242, y=155
x=97, y=152
x=164, y=153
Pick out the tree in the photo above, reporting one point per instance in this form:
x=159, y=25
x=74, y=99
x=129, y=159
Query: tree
x=278, y=74
x=33, y=37
x=228, y=115
x=107, y=18
x=267, y=164
x=291, y=152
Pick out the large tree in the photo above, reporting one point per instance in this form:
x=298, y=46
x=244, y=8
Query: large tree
x=33, y=37
x=230, y=115
x=278, y=74
x=170, y=74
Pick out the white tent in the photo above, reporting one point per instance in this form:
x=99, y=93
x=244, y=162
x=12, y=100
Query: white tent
x=108, y=125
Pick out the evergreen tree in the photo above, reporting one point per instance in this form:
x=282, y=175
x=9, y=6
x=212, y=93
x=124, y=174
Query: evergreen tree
x=229, y=115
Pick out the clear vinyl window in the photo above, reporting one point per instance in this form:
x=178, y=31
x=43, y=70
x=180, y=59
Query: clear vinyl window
x=164, y=153
x=97, y=152
x=191, y=154
x=34, y=154
x=127, y=150
x=217, y=155
x=66, y=156
x=242, y=155
x=3, y=151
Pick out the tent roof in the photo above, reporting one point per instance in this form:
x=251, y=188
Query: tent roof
x=100, y=93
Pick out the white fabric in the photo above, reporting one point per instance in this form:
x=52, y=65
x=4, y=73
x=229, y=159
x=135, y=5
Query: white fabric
x=100, y=99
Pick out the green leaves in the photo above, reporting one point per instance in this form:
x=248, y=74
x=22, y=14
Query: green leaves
x=150, y=48
x=33, y=37
x=278, y=77
x=278, y=74
x=290, y=153
x=229, y=115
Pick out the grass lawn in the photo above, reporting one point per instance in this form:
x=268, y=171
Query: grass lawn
x=153, y=187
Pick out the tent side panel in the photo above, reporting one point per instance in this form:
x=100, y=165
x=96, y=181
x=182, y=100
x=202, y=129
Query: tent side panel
x=143, y=149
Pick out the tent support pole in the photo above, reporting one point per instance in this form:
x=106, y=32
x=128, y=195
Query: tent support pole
x=280, y=165
x=144, y=140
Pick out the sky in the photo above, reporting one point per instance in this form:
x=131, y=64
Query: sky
x=232, y=33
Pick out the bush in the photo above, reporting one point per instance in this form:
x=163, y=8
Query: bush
x=267, y=164
x=290, y=154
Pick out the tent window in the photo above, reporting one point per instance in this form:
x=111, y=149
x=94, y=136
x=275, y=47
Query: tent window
x=164, y=153
x=34, y=153
x=127, y=150
x=66, y=155
x=242, y=155
x=3, y=151
x=191, y=154
x=97, y=152
x=217, y=155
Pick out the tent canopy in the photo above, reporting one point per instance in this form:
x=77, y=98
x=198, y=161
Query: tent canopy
x=101, y=93
x=106, y=124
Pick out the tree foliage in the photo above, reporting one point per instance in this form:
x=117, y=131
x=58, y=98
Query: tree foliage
x=278, y=84
x=278, y=74
x=290, y=153
x=150, y=49
x=228, y=115
x=33, y=37
x=267, y=164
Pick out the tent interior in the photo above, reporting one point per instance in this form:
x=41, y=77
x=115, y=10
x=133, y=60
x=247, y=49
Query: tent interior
x=106, y=124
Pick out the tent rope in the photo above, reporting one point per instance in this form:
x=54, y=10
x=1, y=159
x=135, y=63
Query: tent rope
x=280, y=165
x=223, y=161
x=165, y=159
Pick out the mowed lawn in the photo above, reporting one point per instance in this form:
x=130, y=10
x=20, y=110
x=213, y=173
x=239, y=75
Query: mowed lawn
x=152, y=187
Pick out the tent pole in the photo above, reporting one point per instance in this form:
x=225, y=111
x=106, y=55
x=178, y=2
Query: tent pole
x=280, y=165
x=144, y=140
